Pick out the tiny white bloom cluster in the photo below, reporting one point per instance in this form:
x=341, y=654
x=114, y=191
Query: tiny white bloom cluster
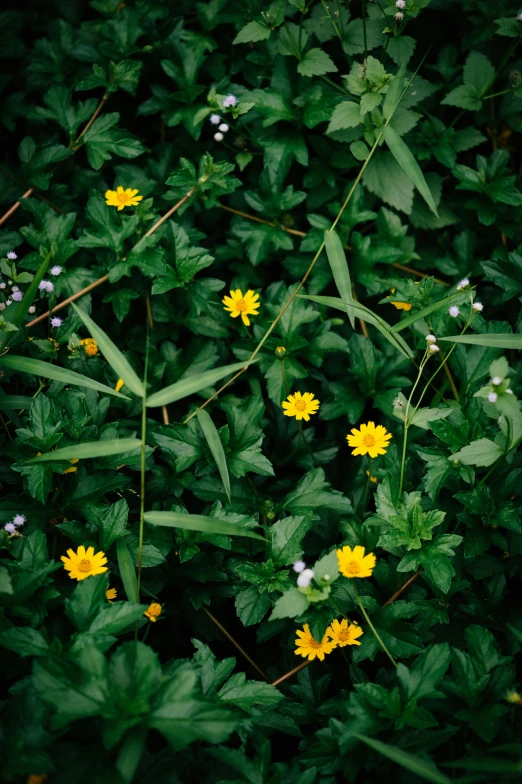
x=32, y=309
x=464, y=283
x=56, y=321
x=230, y=101
x=305, y=578
x=16, y=522
x=3, y=285
x=56, y=270
x=431, y=340
x=215, y=119
x=17, y=296
x=454, y=311
x=496, y=381
x=492, y=397
x=478, y=306
x=12, y=255
x=46, y=285
x=401, y=4
x=399, y=16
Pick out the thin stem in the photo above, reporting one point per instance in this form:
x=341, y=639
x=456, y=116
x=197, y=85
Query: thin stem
x=367, y=488
x=94, y=116
x=372, y=627
x=170, y=212
x=236, y=645
x=406, y=422
x=142, y=461
x=289, y=674
x=364, y=29
x=15, y=206
x=402, y=588
x=496, y=95
x=283, y=376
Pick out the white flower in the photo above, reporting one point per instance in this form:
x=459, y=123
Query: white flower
x=2, y=285
x=15, y=288
x=56, y=321
x=305, y=578
x=10, y=528
x=453, y=311
x=17, y=296
x=230, y=100
x=400, y=4
x=433, y=348
x=496, y=380
x=8, y=302
x=215, y=119
x=223, y=127
x=218, y=137
x=492, y=397
x=431, y=339
x=42, y=285
x=299, y=566
x=2, y=306
x=12, y=255
x=19, y=519
x=462, y=284
x=478, y=306
x=32, y=309
x=56, y=270
x=399, y=16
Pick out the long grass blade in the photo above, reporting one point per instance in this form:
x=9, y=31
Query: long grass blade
x=92, y=449
x=208, y=525
x=192, y=384
x=127, y=570
x=216, y=447
x=340, y=271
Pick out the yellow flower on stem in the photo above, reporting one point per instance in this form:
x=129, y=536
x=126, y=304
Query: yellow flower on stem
x=89, y=346
x=354, y=563
x=119, y=384
x=244, y=306
x=301, y=406
x=153, y=612
x=111, y=594
x=308, y=647
x=370, y=439
x=343, y=633
x=84, y=563
x=122, y=198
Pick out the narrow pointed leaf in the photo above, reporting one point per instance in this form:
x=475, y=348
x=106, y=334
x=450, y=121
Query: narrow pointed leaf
x=216, y=447
x=127, y=570
x=44, y=369
x=191, y=522
x=340, y=271
x=442, y=303
x=117, y=446
x=192, y=384
x=394, y=94
x=409, y=165
x=408, y=761
x=17, y=312
x=112, y=354
x=491, y=340
x=14, y=402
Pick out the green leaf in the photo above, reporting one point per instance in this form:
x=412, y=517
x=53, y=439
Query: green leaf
x=252, y=606
x=327, y=567
x=103, y=140
x=409, y=165
x=340, y=271
x=479, y=453
x=117, y=617
x=316, y=63
x=112, y=354
x=478, y=72
x=238, y=691
x=492, y=340
x=427, y=311
x=286, y=536
x=87, y=600
x=415, y=765
x=15, y=402
x=193, y=384
x=313, y=493
x=291, y=604
x=216, y=447
x=92, y=449
x=127, y=571
x=18, y=311
x=190, y=522
x=113, y=525
x=24, y=641
x=253, y=31
x=345, y=115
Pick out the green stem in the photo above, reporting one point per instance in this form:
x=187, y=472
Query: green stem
x=495, y=95
x=142, y=462
x=367, y=488
x=372, y=627
x=406, y=422
x=364, y=29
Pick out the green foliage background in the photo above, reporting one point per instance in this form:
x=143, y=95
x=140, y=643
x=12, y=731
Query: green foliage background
x=206, y=513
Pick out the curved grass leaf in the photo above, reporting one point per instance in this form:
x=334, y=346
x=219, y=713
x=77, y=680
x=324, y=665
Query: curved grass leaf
x=17, y=312
x=403, y=323
x=216, y=447
x=192, y=384
x=208, y=525
x=127, y=570
x=394, y=94
x=14, y=402
x=92, y=449
x=44, y=369
x=112, y=354
x=491, y=340
x=414, y=764
x=409, y=165
x=340, y=271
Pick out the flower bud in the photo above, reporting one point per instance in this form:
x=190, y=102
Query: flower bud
x=280, y=352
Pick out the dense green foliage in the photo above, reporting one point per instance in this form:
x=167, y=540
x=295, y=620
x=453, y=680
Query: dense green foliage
x=356, y=164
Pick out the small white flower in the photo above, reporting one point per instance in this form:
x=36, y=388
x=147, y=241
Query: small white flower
x=399, y=16
x=56, y=270
x=32, y=309
x=12, y=255
x=478, y=306
x=19, y=519
x=17, y=296
x=2, y=306
x=400, y=4
x=492, y=397
x=431, y=339
x=453, y=311
x=496, y=380
x=2, y=285
x=56, y=321
x=230, y=100
x=299, y=567
x=305, y=578
x=8, y=302
x=433, y=348
x=15, y=288
x=509, y=391
x=10, y=528
x=215, y=119
x=218, y=137
x=223, y=127
x=42, y=285
x=462, y=284
x=49, y=286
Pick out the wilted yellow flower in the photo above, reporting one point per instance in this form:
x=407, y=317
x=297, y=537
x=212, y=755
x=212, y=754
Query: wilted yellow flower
x=308, y=647
x=111, y=594
x=120, y=382
x=84, y=563
x=354, y=563
x=122, y=198
x=301, y=406
x=89, y=346
x=369, y=439
x=153, y=612
x=343, y=633
x=239, y=305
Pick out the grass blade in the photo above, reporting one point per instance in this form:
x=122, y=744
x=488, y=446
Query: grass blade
x=44, y=369
x=192, y=384
x=16, y=313
x=14, y=402
x=409, y=165
x=117, y=446
x=394, y=94
x=414, y=764
x=491, y=340
x=112, y=354
x=207, y=525
x=127, y=570
x=340, y=271
x=425, y=312
x=216, y=447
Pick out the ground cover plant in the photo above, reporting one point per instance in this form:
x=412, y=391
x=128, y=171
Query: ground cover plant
x=260, y=284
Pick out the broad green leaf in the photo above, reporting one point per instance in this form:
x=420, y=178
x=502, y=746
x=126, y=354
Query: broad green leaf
x=409, y=165
x=14, y=402
x=192, y=384
x=112, y=354
x=316, y=63
x=394, y=94
x=479, y=453
x=340, y=271
x=44, y=369
x=291, y=604
x=216, y=447
x=117, y=617
x=116, y=446
x=17, y=312
x=442, y=303
x=416, y=765
x=127, y=571
x=24, y=641
x=492, y=340
x=252, y=31
x=191, y=522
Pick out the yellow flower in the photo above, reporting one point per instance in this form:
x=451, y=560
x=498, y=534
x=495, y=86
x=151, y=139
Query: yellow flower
x=309, y=648
x=110, y=594
x=122, y=198
x=301, y=406
x=90, y=346
x=371, y=478
x=354, y=563
x=73, y=468
x=343, y=633
x=401, y=305
x=243, y=306
x=369, y=440
x=514, y=697
x=120, y=382
x=84, y=563
x=37, y=778
x=153, y=612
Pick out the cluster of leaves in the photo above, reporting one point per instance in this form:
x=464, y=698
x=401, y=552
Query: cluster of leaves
x=398, y=127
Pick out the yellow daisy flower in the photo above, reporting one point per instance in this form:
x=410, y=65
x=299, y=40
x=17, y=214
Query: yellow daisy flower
x=244, y=306
x=401, y=305
x=89, y=346
x=111, y=594
x=309, y=648
x=343, y=633
x=122, y=198
x=84, y=563
x=354, y=563
x=153, y=612
x=301, y=406
x=369, y=439
x=119, y=384
x=37, y=778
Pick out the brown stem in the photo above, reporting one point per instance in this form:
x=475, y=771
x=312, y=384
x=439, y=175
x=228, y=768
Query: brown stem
x=149, y=312
x=450, y=378
x=94, y=116
x=262, y=220
x=170, y=212
x=403, y=588
x=236, y=644
x=165, y=412
x=420, y=274
x=69, y=300
x=363, y=325
x=15, y=206
x=292, y=672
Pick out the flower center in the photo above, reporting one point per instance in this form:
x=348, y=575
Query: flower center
x=300, y=405
x=344, y=635
x=84, y=565
x=241, y=305
x=353, y=567
x=122, y=198
x=314, y=644
x=368, y=440
x=155, y=610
